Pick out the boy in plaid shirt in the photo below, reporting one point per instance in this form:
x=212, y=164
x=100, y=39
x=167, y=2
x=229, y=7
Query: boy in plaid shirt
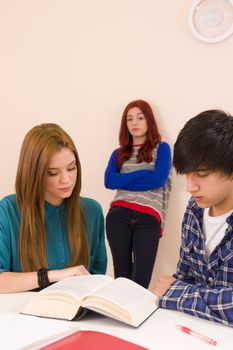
x=203, y=283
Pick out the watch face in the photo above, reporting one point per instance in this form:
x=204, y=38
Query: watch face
x=211, y=20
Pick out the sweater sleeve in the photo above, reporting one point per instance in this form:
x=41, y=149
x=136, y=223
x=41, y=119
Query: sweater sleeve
x=158, y=176
x=140, y=180
x=113, y=179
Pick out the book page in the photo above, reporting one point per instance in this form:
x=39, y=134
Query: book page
x=78, y=286
x=122, y=292
x=62, y=299
x=123, y=299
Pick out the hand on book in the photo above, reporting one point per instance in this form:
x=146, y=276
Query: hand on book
x=58, y=275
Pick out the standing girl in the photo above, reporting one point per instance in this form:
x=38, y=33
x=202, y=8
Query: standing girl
x=47, y=231
x=140, y=172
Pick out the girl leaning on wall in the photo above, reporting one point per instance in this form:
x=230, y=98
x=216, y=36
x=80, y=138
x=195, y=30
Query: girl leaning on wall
x=140, y=172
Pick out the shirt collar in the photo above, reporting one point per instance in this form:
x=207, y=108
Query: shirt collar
x=199, y=211
x=50, y=208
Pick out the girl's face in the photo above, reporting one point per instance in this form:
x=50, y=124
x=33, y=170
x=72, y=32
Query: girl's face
x=137, y=125
x=61, y=177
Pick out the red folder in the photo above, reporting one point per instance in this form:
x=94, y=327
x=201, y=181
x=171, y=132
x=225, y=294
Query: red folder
x=92, y=340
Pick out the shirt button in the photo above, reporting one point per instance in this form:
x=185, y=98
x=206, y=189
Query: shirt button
x=210, y=279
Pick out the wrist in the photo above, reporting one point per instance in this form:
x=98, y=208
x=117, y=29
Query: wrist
x=54, y=275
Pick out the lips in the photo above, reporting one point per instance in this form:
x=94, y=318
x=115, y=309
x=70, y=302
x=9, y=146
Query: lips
x=66, y=189
x=198, y=199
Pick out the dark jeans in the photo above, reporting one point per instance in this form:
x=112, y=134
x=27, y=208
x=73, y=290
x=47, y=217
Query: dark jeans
x=133, y=238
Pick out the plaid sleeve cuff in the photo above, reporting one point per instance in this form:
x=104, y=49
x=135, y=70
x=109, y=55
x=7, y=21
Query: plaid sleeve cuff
x=208, y=303
x=172, y=299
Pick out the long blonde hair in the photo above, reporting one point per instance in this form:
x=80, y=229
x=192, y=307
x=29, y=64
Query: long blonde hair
x=39, y=145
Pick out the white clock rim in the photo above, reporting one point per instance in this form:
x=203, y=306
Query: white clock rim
x=213, y=40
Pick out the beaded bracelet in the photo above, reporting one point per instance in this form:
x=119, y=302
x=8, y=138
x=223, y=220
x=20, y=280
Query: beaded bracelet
x=43, y=280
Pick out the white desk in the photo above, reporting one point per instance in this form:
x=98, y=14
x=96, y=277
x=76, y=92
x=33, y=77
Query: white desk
x=157, y=333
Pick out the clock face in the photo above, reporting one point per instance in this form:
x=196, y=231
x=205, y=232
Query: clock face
x=211, y=20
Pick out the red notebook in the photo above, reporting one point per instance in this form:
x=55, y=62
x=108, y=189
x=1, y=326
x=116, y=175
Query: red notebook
x=92, y=340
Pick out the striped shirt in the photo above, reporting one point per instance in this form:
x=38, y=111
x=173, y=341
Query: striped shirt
x=204, y=286
x=142, y=186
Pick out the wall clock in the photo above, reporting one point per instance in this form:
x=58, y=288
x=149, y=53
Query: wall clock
x=211, y=21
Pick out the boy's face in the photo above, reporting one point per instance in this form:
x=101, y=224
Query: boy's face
x=211, y=190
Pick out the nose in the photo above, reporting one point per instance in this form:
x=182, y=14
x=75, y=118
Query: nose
x=191, y=184
x=64, y=177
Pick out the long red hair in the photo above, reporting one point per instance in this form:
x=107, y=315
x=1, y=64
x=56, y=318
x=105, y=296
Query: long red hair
x=153, y=137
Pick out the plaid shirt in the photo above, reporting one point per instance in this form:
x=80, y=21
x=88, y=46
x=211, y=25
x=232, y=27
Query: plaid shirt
x=204, y=286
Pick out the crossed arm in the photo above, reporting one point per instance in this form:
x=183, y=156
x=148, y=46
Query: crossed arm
x=140, y=180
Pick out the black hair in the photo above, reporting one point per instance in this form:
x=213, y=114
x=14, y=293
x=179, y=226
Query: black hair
x=205, y=143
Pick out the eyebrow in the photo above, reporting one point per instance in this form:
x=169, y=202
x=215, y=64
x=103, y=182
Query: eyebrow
x=72, y=163
x=129, y=115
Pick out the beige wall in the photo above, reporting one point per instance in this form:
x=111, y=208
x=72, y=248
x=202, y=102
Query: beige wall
x=79, y=62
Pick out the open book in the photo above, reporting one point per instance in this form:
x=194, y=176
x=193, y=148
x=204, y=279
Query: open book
x=119, y=298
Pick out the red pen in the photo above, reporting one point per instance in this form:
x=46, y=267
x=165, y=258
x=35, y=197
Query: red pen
x=197, y=335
